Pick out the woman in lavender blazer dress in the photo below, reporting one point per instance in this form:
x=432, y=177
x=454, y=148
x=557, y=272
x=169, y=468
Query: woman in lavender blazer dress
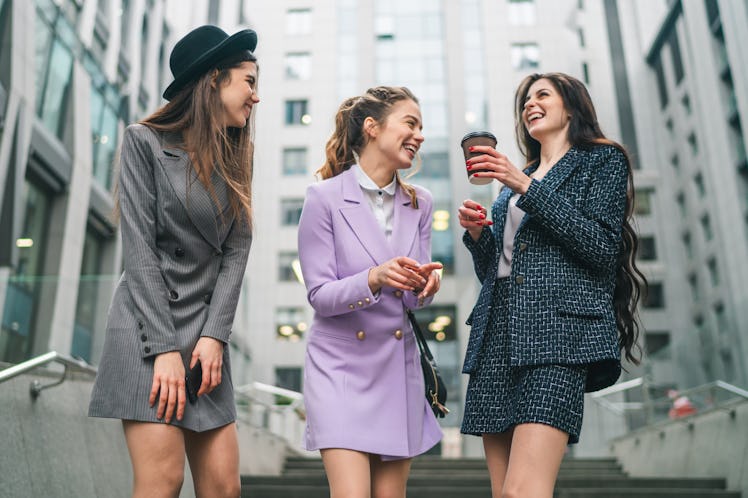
x=365, y=251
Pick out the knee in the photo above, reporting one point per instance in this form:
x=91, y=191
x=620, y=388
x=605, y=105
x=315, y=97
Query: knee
x=225, y=488
x=230, y=489
x=511, y=492
x=167, y=481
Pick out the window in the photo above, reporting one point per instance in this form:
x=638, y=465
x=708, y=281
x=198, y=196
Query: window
x=525, y=56
x=698, y=181
x=693, y=143
x=291, y=211
x=654, y=297
x=54, y=65
x=686, y=100
x=706, y=226
x=721, y=318
x=580, y=32
x=288, y=262
x=647, y=249
x=104, y=123
x=297, y=113
x=643, y=202
x=87, y=306
x=586, y=73
x=522, y=12
x=681, y=200
x=288, y=378
x=298, y=66
x=675, y=162
x=693, y=284
x=660, y=76
x=18, y=328
x=213, y=10
x=294, y=161
x=675, y=54
x=688, y=244
x=298, y=21
x=713, y=272
x=657, y=344
x=290, y=324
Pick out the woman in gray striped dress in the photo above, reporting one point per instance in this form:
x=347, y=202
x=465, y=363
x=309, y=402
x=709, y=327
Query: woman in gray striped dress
x=185, y=216
x=559, y=284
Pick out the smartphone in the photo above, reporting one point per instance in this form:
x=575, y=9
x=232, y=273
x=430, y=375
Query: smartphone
x=192, y=381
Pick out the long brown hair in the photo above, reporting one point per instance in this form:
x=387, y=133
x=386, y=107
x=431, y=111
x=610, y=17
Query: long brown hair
x=349, y=138
x=584, y=132
x=211, y=145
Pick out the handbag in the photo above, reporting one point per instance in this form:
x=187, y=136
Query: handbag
x=436, y=390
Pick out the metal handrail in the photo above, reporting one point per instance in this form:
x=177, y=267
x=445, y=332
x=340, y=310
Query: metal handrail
x=285, y=420
x=649, y=404
x=36, y=386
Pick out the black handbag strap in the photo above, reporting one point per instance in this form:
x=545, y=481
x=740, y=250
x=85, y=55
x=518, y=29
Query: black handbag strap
x=420, y=339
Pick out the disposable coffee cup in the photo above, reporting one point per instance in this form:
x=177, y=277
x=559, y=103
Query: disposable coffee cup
x=470, y=140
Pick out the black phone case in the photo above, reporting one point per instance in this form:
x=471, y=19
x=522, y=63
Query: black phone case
x=192, y=380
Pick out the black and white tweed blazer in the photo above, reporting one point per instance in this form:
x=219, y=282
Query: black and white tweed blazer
x=564, y=261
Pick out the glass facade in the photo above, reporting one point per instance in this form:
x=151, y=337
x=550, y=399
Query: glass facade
x=18, y=327
x=104, y=122
x=56, y=44
x=87, y=306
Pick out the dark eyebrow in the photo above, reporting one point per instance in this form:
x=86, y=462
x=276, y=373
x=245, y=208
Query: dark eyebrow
x=412, y=117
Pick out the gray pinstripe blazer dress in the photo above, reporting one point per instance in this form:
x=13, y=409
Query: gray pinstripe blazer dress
x=183, y=267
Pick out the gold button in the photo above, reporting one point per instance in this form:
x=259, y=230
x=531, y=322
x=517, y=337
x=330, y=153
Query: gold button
x=360, y=335
x=367, y=300
x=398, y=334
x=523, y=246
x=398, y=293
x=360, y=303
x=520, y=279
x=351, y=306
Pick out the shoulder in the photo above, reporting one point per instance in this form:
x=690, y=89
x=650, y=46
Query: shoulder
x=602, y=153
x=423, y=194
x=139, y=135
x=326, y=187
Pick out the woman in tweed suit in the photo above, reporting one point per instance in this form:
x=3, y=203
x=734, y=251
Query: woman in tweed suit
x=365, y=251
x=184, y=205
x=560, y=287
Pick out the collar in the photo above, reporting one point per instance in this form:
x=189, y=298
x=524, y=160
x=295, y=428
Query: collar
x=367, y=183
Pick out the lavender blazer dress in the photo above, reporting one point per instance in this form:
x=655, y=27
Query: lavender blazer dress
x=363, y=385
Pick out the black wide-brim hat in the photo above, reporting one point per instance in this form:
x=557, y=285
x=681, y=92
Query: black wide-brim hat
x=200, y=50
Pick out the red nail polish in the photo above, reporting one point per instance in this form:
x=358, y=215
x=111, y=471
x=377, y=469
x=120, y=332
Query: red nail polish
x=469, y=167
x=489, y=222
x=477, y=175
x=471, y=149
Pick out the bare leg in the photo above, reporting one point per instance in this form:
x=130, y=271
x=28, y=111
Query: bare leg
x=157, y=456
x=389, y=479
x=347, y=472
x=214, y=462
x=496, y=448
x=537, y=451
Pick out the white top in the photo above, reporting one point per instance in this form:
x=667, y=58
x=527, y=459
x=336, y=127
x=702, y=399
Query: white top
x=381, y=200
x=514, y=217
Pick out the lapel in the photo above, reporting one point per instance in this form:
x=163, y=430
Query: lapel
x=404, y=224
x=190, y=191
x=361, y=220
x=498, y=212
x=555, y=176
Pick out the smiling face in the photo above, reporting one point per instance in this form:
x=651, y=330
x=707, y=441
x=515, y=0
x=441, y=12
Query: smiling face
x=238, y=94
x=400, y=136
x=544, y=114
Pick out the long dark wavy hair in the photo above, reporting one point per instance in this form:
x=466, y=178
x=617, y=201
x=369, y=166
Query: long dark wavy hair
x=211, y=145
x=584, y=132
x=349, y=138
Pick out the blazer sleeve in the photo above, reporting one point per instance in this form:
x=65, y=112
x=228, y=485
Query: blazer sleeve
x=327, y=294
x=483, y=252
x=592, y=234
x=138, y=214
x=225, y=296
x=426, y=205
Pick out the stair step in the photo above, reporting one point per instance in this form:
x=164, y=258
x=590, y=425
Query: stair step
x=643, y=493
x=416, y=481
x=433, y=477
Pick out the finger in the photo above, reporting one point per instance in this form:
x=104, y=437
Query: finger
x=216, y=375
x=406, y=261
x=484, y=149
x=195, y=358
x=427, y=268
x=171, y=404
x=205, y=380
x=181, y=399
x=162, y=400
x=154, y=392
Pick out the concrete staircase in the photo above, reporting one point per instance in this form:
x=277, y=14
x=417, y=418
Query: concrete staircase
x=468, y=478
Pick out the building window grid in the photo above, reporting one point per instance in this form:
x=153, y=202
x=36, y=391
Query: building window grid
x=291, y=211
x=294, y=161
x=298, y=66
x=297, y=112
x=299, y=21
x=286, y=262
x=525, y=56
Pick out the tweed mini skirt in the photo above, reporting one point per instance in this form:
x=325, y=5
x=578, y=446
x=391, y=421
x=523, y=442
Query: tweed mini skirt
x=500, y=396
